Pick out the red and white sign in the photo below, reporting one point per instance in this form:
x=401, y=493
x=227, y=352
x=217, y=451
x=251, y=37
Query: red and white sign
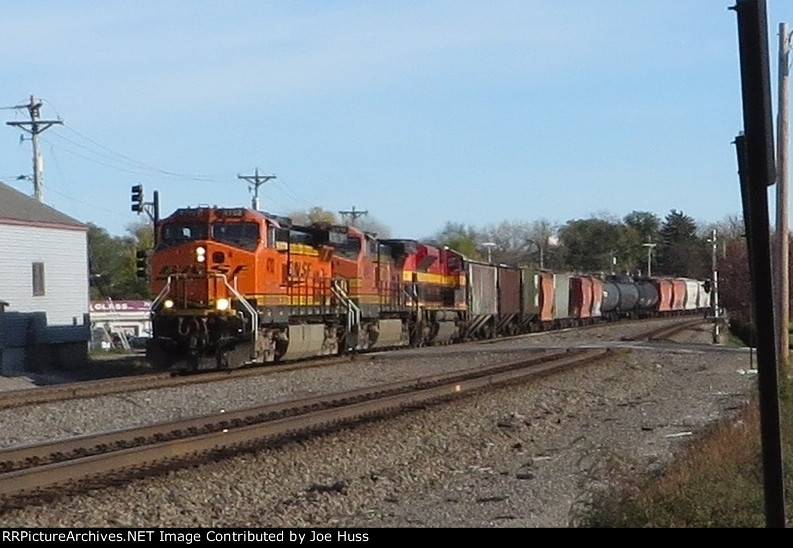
x=120, y=306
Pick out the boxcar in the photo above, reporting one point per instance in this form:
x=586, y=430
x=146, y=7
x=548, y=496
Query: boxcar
x=482, y=299
x=581, y=297
x=530, y=298
x=509, y=296
x=561, y=299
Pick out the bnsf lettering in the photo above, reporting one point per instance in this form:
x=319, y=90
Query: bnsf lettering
x=299, y=269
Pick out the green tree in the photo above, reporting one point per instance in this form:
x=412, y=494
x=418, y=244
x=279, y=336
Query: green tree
x=681, y=252
x=111, y=262
x=459, y=237
x=645, y=223
x=591, y=244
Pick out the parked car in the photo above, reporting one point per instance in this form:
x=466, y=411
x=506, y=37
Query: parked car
x=138, y=343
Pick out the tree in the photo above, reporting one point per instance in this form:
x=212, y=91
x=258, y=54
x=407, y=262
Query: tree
x=645, y=223
x=459, y=237
x=111, y=263
x=735, y=290
x=591, y=245
x=681, y=252
x=514, y=244
x=314, y=215
x=372, y=225
x=646, y=227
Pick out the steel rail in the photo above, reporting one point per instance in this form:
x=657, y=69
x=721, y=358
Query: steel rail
x=237, y=436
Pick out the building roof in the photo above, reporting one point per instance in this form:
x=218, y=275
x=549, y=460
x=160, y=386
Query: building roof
x=19, y=208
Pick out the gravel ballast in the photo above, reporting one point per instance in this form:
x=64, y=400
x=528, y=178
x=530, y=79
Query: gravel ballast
x=518, y=456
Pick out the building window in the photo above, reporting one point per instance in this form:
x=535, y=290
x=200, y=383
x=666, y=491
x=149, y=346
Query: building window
x=38, y=279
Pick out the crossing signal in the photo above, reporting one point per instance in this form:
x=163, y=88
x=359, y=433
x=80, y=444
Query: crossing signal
x=137, y=198
x=141, y=263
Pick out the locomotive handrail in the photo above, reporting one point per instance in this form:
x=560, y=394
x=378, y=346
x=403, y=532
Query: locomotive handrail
x=353, y=311
x=247, y=305
x=161, y=295
x=413, y=297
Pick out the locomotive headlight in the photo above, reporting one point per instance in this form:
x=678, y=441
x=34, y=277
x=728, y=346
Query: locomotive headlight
x=222, y=304
x=168, y=303
x=200, y=254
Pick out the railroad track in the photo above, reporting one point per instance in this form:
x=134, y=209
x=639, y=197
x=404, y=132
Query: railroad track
x=118, y=385
x=29, y=473
x=665, y=331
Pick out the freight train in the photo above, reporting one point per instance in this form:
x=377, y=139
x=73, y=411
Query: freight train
x=238, y=286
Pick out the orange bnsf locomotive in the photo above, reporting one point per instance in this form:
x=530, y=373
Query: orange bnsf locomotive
x=236, y=286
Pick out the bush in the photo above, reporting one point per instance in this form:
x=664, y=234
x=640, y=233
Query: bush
x=744, y=329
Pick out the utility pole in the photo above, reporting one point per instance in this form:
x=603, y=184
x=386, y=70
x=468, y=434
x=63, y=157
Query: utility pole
x=256, y=181
x=489, y=246
x=34, y=127
x=783, y=274
x=649, y=247
x=353, y=214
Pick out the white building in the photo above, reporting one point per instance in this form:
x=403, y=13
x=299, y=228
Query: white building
x=44, y=321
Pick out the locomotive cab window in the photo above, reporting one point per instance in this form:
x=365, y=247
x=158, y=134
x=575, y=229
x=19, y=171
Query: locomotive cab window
x=371, y=247
x=242, y=235
x=178, y=233
x=350, y=248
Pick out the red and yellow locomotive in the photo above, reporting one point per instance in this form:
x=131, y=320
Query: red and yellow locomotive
x=235, y=286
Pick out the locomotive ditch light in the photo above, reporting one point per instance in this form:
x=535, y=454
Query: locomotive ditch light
x=222, y=304
x=168, y=303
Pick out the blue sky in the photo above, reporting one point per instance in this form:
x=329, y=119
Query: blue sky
x=418, y=112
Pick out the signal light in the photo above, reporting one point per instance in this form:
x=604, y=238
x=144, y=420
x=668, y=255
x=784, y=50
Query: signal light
x=141, y=263
x=137, y=198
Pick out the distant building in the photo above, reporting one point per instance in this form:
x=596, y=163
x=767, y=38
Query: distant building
x=44, y=318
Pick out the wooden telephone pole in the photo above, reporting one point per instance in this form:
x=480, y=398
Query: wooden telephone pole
x=255, y=182
x=35, y=126
x=782, y=247
x=352, y=214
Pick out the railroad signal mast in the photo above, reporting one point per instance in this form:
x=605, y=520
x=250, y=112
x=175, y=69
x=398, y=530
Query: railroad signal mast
x=152, y=209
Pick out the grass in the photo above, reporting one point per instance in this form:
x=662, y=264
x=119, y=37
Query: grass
x=716, y=483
